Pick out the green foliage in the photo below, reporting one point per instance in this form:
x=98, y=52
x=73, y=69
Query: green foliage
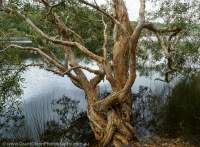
x=10, y=94
x=10, y=86
x=72, y=125
x=182, y=111
x=10, y=76
x=175, y=14
x=83, y=20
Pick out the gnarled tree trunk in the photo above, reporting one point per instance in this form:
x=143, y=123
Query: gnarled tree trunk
x=111, y=117
x=111, y=120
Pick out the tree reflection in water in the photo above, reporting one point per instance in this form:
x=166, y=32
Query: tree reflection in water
x=176, y=113
x=72, y=125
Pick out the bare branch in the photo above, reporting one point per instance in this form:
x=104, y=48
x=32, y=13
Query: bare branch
x=43, y=54
x=134, y=41
x=115, y=21
x=69, y=56
x=142, y=12
x=100, y=10
x=139, y=27
x=117, y=97
x=67, y=28
x=177, y=40
x=105, y=44
x=161, y=41
x=98, y=72
x=132, y=72
x=23, y=66
x=153, y=28
x=57, y=18
x=109, y=73
x=53, y=6
x=53, y=56
x=52, y=70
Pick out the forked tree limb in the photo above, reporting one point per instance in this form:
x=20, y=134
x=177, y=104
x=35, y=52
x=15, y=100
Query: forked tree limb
x=97, y=72
x=163, y=44
x=40, y=52
x=175, y=42
x=87, y=86
x=69, y=55
x=133, y=45
x=51, y=7
x=106, y=65
x=53, y=71
x=96, y=80
x=118, y=97
x=158, y=32
x=152, y=27
x=67, y=29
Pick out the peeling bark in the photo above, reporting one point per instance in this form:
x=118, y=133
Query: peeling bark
x=111, y=117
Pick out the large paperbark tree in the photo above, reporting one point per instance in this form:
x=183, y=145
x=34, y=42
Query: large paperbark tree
x=111, y=117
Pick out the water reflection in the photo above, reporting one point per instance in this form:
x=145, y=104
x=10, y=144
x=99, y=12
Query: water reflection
x=42, y=87
x=53, y=105
x=11, y=120
x=50, y=87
